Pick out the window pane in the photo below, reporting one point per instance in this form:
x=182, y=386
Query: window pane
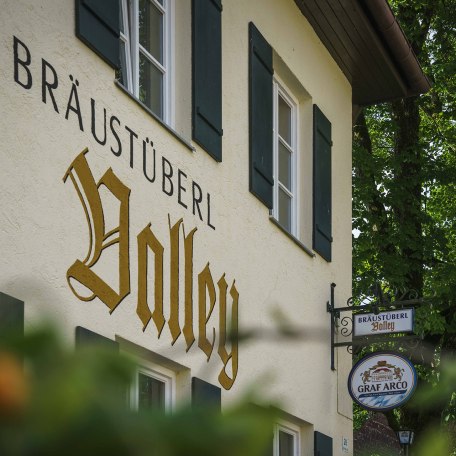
x=284, y=166
x=150, y=85
x=284, y=120
x=286, y=444
x=284, y=210
x=151, y=393
x=151, y=29
x=122, y=19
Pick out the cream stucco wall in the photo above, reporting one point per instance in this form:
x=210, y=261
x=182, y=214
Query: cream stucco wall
x=43, y=227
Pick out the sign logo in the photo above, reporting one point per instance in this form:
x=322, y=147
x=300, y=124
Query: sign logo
x=390, y=322
x=382, y=381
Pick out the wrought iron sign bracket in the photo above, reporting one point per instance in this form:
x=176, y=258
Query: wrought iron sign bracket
x=377, y=303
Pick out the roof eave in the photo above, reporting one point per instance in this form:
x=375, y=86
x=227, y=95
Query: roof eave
x=394, y=39
x=369, y=46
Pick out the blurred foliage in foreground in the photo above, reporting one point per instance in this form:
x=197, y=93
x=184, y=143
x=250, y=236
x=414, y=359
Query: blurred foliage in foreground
x=54, y=401
x=438, y=439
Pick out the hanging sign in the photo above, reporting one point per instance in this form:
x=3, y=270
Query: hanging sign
x=393, y=321
x=382, y=381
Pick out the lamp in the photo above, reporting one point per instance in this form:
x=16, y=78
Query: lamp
x=406, y=437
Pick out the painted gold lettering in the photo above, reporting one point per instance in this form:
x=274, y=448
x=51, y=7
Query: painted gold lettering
x=188, y=323
x=173, y=322
x=225, y=380
x=146, y=241
x=205, y=286
x=99, y=239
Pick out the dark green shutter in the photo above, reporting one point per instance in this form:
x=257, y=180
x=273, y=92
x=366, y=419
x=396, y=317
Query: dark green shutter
x=322, y=237
x=11, y=317
x=260, y=117
x=323, y=445
x=207, y=75
x=98, y=26
x=205, y=394
x=85, y=338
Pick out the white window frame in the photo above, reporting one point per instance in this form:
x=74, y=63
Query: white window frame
x=125, y=38
x=291, y=429
x=279, y=89
x=130, y=37
x=157, y=372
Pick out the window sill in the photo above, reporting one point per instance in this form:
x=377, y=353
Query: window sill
x=186, y=143
x=293, y=238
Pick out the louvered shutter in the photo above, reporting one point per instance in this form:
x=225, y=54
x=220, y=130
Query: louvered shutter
x=11, y=317
x=85, y=337
x=205, y=394
x=260, y=117
x=323, y=444
x=207, y=75
x=322, y=237
x=98, y=26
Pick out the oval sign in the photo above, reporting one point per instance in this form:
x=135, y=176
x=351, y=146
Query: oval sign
x=382, y=381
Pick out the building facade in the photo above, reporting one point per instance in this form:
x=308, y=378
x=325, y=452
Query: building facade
x=177, y=173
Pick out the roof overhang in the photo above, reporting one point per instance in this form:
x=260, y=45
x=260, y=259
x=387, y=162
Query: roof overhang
x=369, y=46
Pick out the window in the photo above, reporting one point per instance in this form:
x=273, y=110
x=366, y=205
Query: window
x=285, y=158
x=286, y=440
x=296, y=188
x=163, y=60
x=145, y=48
x=152, y=389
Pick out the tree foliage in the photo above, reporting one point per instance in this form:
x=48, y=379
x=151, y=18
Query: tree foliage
x=404, y=197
